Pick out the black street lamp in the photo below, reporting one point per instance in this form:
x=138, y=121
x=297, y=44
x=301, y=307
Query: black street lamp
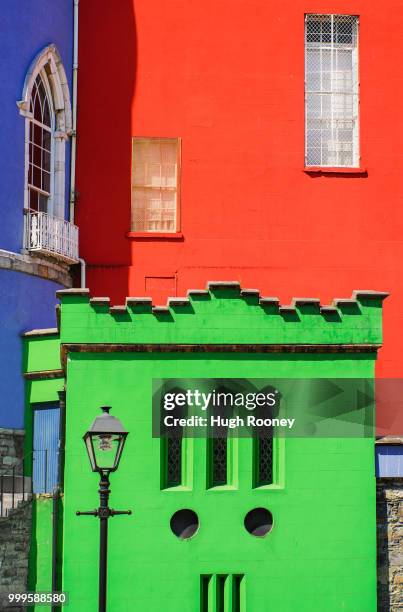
x=104, y=440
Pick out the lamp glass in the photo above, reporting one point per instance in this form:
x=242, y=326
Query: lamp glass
x=104, y=450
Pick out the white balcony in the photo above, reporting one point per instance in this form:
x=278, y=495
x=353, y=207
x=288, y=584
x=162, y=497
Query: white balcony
x=51, y=236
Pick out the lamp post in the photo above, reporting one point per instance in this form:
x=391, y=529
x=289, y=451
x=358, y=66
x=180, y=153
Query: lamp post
x=104, y=440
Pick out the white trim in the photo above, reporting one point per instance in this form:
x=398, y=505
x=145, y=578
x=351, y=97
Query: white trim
x=49, y=56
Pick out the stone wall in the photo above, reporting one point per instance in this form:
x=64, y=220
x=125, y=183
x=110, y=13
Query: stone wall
x=15, y=538
x=45, y=267
x=11, y=449
x=15, y=528
x=389, y=494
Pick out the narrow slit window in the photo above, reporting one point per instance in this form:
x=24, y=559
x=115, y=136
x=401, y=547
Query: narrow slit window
x=218, y=444
x=205, y=598
x=218, y=461
x=155, y=171
x=331, y=91
x=263, y=459
x=172, y=443
x=237, y=593
x=172, y=461
x=220, y=593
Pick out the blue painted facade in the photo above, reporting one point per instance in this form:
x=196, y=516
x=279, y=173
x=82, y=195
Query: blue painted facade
x=26, y=301
x=28, y=26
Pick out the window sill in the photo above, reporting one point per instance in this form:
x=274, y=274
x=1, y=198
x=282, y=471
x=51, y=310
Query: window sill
x=155, y=235
x=335, y=170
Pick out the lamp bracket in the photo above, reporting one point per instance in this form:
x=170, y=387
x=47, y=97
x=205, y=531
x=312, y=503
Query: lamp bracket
x=103, y=513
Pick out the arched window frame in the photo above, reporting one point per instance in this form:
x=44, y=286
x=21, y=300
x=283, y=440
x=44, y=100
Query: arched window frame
x=49, y=66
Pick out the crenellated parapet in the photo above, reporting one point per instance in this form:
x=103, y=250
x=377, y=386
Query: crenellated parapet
x=225, y=314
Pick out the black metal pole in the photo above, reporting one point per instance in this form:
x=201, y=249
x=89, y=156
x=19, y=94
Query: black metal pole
x=104, y=492
x=103, y=513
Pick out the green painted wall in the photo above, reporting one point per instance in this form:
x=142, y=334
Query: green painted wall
x=219, y=317
x=321, y=553
x=41, y=546
x=41, y=353
x=40, y=556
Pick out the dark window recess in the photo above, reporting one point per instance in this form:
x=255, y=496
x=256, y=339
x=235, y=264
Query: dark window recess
x=236, y=593
x=184, y=523
x=171, y=449
x=219, y=458
x=221, y=593
x=174, y=462
x=204, y=593
x=213, y=594
x=259, y=522
x=263, y=460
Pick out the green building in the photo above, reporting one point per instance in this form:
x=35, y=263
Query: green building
x=320, y=549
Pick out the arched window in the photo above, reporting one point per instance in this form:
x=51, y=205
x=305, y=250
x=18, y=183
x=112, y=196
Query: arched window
x=40, y=154
x=47, y=111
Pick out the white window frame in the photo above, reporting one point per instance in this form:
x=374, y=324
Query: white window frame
x=355, y=92
x=32, y=121
x=49, y=65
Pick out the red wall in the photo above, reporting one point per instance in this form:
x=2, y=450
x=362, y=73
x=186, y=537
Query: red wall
x=227, y=76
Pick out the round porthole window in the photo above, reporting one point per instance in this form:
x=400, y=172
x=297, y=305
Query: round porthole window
x=184, y=524
x=259, y=522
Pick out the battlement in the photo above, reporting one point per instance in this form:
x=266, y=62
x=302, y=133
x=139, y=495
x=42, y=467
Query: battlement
x=223, y=314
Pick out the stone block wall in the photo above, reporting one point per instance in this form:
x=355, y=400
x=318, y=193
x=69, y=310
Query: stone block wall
x=11, y=448
x=390, y=544
x=15, y=529
x=15, y=538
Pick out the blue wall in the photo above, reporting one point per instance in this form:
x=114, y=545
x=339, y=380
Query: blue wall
x=27, y=26
x=26, y=302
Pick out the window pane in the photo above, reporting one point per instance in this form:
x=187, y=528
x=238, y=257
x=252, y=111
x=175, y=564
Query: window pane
x=45, y=181
x=33, y=200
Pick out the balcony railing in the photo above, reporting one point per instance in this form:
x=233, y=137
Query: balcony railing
x=51, y=236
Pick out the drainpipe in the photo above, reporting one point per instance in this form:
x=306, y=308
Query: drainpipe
x=74, y=136
x=74, y=118
x=82, y=272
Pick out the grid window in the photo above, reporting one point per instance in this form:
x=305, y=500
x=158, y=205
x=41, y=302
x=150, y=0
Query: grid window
x=40, y=146
x=218, y=459
x=331, y=91
x=171, y=461
x=263, y=459
x=155, y=184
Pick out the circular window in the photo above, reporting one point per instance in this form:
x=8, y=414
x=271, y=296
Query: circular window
x=258, y=522
x=184, y=524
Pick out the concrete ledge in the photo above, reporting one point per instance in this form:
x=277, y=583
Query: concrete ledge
x=35, y=265
x=51, y=331
x=392, y=440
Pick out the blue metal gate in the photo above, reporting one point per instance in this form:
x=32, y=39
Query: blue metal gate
x=46, y=447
